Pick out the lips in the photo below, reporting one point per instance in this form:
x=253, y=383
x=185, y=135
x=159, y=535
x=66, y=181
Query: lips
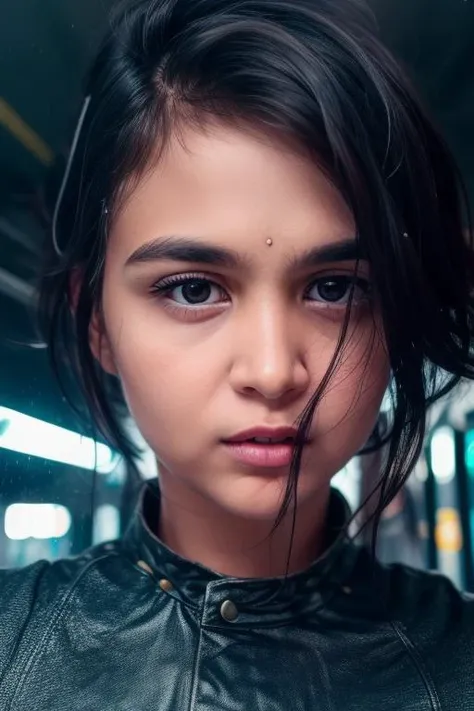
x=265, y=435
x=263, y=448
x=257, y=456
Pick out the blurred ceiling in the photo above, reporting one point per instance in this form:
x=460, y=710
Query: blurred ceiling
x=45, y=48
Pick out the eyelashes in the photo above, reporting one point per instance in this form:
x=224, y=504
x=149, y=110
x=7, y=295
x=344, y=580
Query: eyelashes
x=196, y=297
x=200, y=290
x=190, y=290
x=338, y=290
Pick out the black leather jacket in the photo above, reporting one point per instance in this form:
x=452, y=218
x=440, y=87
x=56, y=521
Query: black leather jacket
x=130, y=626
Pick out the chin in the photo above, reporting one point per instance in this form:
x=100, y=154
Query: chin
x=255, y=498
x=260, y=497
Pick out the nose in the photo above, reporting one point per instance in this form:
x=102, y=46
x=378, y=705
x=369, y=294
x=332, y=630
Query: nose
x=269, y=359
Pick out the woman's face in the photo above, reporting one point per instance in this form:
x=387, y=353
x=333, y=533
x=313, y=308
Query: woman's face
x=226, y=279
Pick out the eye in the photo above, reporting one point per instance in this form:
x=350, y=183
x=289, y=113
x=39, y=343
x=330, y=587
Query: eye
x=190, y=291
x=336, y=290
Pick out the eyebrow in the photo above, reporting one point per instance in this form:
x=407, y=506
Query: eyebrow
x=348, y=250
x=185, y=249
x=188, y=249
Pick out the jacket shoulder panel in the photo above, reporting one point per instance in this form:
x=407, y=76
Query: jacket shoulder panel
x=32, y=597
x=434, y=622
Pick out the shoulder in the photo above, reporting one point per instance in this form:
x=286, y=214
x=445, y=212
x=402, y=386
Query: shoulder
x=421, y=602
x=32, y=597
x=34, y=582
x=416, y=595
x=434, y=623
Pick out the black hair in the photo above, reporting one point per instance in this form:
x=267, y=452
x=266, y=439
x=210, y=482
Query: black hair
x=313, y=71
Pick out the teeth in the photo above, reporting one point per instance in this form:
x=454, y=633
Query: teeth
x=269, y=440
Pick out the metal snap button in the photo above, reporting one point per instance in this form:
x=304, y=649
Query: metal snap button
x=166, y=585
x=144, y=566
x=229, y=611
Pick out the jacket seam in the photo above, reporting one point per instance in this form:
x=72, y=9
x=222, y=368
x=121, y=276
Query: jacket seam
x=22, y=630
x=419, y=664
x=32, y=659
x=197, y=660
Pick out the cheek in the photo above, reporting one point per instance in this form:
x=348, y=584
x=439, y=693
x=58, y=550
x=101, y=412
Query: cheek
x=166, y=383
x=165, y=388
x=351, y=404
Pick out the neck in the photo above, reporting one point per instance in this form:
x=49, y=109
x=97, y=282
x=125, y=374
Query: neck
x=197, y=530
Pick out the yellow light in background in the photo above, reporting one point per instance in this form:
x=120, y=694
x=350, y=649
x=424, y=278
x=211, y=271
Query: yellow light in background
x=29, y=139
x=28, y=435
x=41, y=521
x=448, y=531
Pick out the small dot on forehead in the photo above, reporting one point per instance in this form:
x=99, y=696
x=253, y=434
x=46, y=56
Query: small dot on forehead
x=269, y=242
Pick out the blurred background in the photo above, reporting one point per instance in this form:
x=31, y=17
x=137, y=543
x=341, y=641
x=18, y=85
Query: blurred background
x=52, y=504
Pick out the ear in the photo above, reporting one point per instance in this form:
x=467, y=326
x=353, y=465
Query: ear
x=100, y=344
x=98, y=339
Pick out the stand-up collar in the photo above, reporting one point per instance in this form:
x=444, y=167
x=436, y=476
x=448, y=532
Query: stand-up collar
x=258, y=600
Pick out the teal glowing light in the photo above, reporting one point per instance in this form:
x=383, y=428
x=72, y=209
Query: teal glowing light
x=469, y=452
x=28, y=435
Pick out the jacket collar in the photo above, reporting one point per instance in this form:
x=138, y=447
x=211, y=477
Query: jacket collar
x=272, y=600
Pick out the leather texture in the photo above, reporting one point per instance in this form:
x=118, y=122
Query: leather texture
x=130, y=626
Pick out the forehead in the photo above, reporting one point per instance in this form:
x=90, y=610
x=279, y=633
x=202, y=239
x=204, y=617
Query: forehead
x=233, y=188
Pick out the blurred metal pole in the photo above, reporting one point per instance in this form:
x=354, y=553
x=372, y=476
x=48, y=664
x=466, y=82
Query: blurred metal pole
x=370, y=466
x=464, y=505
x=431, y=509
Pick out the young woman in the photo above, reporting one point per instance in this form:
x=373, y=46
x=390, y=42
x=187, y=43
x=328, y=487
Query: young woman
x=259, y=235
